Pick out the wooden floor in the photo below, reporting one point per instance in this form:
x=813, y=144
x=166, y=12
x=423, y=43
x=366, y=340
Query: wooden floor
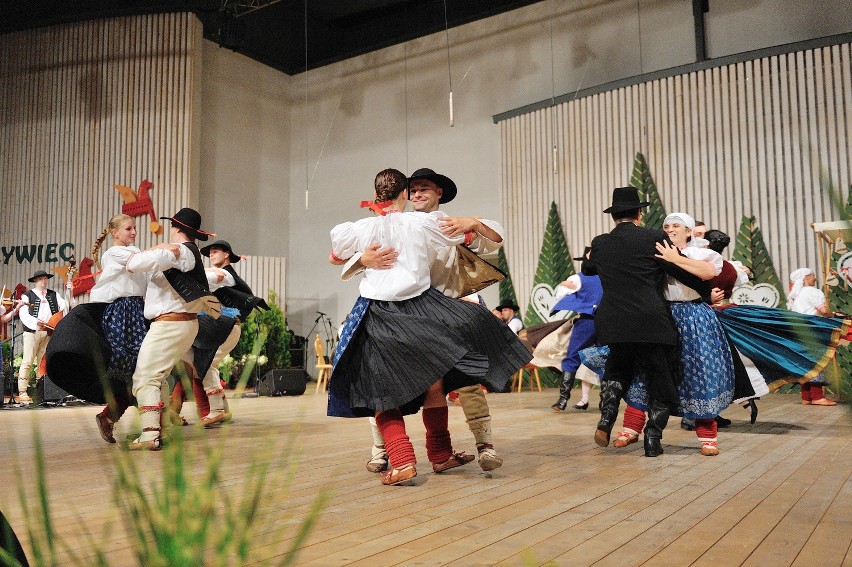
x=779, y=494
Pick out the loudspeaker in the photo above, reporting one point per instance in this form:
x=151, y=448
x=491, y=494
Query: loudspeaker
x=283, y=382
x=47, y=391
x=297, y=351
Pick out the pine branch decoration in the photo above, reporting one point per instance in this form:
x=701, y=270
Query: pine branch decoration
x=641, y=179
x=751, y=250
x=507, y=288
x=554, y=261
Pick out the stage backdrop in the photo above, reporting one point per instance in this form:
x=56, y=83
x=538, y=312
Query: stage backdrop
x=83, y=107
x=763, y=138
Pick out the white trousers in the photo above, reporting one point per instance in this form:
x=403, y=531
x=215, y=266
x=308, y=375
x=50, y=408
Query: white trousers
x=34, y=347
x=211, y=379
x=163, y=347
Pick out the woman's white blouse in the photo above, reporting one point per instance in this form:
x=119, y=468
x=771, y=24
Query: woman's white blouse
x=417, y=238
x=676, y=291
x=115, y=281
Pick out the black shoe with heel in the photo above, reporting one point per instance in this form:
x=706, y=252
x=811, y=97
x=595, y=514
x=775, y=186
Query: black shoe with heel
x=582, y=406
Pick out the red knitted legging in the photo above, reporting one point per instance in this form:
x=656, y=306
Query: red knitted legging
x=634, y=419
x=706, y=428
x=202, y=404
x=397, y=444
x=439, y=448
x=812, y=392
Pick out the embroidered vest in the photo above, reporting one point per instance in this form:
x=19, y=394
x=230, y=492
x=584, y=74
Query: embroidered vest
x=586, y=299
x=35, y=304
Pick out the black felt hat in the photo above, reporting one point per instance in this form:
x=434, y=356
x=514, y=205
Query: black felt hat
x=442, y=181
x=39, y=274
x=625, y=199
x=189, y=221
x=507, y=304
x=221, y=245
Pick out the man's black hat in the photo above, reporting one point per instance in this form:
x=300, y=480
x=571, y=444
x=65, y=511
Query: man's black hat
x=507, y=304
x=189, y=221
x=39, y=274
x=442, y=181
x=625, y=199
x=221, y=245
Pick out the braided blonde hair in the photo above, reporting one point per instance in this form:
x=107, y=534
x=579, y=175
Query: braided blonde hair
x=114, y=223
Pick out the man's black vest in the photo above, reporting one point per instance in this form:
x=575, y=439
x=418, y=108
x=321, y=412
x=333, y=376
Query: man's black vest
x=191, y=285
x=35, y=303
x=239, y=296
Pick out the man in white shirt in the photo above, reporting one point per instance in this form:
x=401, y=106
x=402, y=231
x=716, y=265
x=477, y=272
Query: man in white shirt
x=38, y=305
x=177, y=291
x=510, y=316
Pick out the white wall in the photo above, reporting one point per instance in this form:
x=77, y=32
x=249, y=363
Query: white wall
x=389, y=109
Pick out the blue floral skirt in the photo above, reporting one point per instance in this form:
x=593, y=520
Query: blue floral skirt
x=124, y=329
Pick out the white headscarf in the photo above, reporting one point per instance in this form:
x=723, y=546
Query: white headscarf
x=797, y=277
x=680, y=218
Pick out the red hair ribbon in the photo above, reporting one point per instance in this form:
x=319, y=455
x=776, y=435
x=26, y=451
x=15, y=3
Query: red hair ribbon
x=378, y=208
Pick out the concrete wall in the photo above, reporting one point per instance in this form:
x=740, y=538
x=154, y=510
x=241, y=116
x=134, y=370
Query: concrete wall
x=263, y=145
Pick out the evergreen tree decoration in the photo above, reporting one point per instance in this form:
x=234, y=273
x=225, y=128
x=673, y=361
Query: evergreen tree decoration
x=751, y=251
x=554, y=262
x=641, y=179
x=840, y=299
x=506, y=287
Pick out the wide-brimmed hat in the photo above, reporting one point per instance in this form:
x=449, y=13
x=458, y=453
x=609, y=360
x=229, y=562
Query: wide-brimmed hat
x=39, y=274
x=583, y=256
x=625, y=199
x=221, y=245
x=507, y=304
x=189, y=221
x=442, y=181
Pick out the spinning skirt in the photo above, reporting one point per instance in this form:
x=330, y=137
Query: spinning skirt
x=785, y=346
x=400, y=348
x=77, y=354
x=212, y=333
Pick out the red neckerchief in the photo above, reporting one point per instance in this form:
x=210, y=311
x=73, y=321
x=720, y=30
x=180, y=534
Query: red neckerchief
x=378, y=208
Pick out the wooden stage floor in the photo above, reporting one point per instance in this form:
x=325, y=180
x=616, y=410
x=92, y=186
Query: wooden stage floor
x=779, y=494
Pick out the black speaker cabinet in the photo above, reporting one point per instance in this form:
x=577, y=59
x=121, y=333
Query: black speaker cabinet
x=283, y=382
x=47, y=391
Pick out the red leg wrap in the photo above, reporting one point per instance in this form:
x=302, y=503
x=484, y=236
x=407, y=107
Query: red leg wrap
x=201, y=401
x=439, y=448
x=634, y=419
x=397, y=443
x=706, y=428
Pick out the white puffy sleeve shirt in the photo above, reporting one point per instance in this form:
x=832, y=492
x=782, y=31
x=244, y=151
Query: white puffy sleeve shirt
x=160, y=296
x=809, y=300
x=676, y=291
x=417, y=237
x=115, y=281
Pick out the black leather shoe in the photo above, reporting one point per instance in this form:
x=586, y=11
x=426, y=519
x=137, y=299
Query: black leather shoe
x=611, y=393
x=653, y=446
x=688, y=424
x=751, y=405
x=722, y=423
x=582, y=406
x=560, y=405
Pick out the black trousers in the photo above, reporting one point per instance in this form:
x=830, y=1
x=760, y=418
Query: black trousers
x=658, y=363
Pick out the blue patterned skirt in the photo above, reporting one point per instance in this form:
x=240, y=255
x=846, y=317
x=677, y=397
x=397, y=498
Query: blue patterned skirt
x=391, y=352
x=785, y=346
x=124, y=329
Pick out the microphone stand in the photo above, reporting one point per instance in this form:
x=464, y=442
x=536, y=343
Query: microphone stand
x=308, y=341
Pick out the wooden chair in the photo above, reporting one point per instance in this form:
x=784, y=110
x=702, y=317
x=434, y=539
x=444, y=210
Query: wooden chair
x=518, y=377
x=323, y=367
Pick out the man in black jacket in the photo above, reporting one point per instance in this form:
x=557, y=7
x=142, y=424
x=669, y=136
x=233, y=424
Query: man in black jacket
x=633, y=318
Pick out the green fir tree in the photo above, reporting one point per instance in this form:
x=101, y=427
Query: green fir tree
x=554, y=261
x=751, y=251
x=641, y=179
x=507, y=288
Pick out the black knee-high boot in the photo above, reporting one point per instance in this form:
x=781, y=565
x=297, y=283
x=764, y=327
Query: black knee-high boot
x=564, y=391
x=658, y=417
x=611, y=393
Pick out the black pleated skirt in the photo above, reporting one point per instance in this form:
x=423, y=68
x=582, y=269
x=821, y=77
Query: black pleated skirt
x=401, y=348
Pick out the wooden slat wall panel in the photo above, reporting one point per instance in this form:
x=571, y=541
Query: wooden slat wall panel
x=85, y=106
x=765, y=137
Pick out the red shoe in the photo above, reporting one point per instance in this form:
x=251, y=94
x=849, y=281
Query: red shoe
x=709, y=448
x=625, y=438
x=455, y=460
x=823, y=402
x=105, y=427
